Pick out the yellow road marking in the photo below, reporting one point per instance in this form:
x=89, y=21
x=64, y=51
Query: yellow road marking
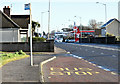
x=75, y=69
x=89, y=73
x=61, y=69
x=51, y=69
x=97, y=72
x=68, y=73
x=82, y=73
x=56, y=73
x=61, y=73
x=67, y=69
x=80, y=68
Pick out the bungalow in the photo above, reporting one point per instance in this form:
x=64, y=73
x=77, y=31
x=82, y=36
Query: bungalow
x=13, y=27
x=112, y=27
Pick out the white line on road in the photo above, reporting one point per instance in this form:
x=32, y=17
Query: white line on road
x=98, y=47
x=113, y=55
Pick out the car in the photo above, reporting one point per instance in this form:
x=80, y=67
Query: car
x=69, y=40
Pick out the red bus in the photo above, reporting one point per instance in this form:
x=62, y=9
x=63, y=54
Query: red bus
x=82, y=34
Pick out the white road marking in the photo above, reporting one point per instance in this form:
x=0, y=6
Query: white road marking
x=113, y=55
x=101, y=53
x=98, y=47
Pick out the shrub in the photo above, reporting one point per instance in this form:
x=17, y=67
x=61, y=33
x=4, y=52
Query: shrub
x=118, y=38
x=17, y=53
x=38, y=39
x=21, y=52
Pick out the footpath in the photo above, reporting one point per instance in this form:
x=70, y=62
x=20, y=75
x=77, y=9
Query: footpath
x=56, y=69
x=21, y=71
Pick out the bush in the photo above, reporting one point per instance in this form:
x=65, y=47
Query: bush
x=38, y=39
x=118, y=38
x=21, y=52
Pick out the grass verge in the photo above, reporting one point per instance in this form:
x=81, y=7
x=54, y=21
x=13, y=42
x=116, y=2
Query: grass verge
x=9, y=57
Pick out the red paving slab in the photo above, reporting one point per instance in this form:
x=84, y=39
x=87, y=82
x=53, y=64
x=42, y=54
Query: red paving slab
x=70, y=69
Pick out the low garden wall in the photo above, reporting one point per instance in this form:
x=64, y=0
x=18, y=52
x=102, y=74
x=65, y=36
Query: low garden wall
x=109, y=40
x=25, y=46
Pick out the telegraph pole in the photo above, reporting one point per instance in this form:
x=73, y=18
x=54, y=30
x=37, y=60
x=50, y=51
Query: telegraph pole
x=31, y=56
x=49, y=20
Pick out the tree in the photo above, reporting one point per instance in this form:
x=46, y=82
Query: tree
x=93, y=23
x=84, y=27
x=34, y=26
x=44, y=33
x=99, y=24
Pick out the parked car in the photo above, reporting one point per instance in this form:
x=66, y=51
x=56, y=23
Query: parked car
x=69, y=40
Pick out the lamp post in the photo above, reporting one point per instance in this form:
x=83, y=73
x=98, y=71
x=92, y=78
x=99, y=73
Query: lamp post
x=80, y=27
x=105, y=15
x=49, y=20
x=42, y=19
x=105, y=10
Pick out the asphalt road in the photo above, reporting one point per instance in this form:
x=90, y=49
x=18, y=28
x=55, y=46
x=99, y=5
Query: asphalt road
x=74, y=70
x=104, y=56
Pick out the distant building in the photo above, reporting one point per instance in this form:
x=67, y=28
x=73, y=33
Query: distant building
x=97, y=33
x=119, y=10
x=67, y=29
x=13, y=27
x=112, y=27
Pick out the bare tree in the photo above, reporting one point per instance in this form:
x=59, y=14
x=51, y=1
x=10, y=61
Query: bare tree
x=93, y=23
x=99, y=24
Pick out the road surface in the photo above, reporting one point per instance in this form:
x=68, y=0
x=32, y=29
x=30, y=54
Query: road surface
x=104, y=56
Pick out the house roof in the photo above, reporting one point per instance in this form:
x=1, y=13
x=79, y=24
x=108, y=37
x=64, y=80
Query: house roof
x=7, y=22
x=14, y=21
x=22, y=20
x=107, y=23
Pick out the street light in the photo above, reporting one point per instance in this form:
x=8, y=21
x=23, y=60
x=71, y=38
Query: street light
x=105, y=14
x=42, y=19
x=105, y=10
x=49, y=20
x=80, y=27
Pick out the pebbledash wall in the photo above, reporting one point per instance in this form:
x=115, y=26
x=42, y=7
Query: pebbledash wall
x=25, y=46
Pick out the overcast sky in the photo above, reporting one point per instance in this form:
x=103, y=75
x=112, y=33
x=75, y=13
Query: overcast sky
x=64, y=10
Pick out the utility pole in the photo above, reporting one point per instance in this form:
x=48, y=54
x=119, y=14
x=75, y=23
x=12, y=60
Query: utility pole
x=105, y=16
x=49, y=20
x=105, y=10
x=31, y=56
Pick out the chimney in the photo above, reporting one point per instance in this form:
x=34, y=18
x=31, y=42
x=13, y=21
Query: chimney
x=6, y=10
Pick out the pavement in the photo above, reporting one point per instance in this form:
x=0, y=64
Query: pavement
x=49, y=68
x=21, y=71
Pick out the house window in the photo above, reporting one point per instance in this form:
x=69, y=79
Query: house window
x=23, y=38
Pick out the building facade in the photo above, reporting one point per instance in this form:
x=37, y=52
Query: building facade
x=13, y=28
x=9, y=30
x=112, y=28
